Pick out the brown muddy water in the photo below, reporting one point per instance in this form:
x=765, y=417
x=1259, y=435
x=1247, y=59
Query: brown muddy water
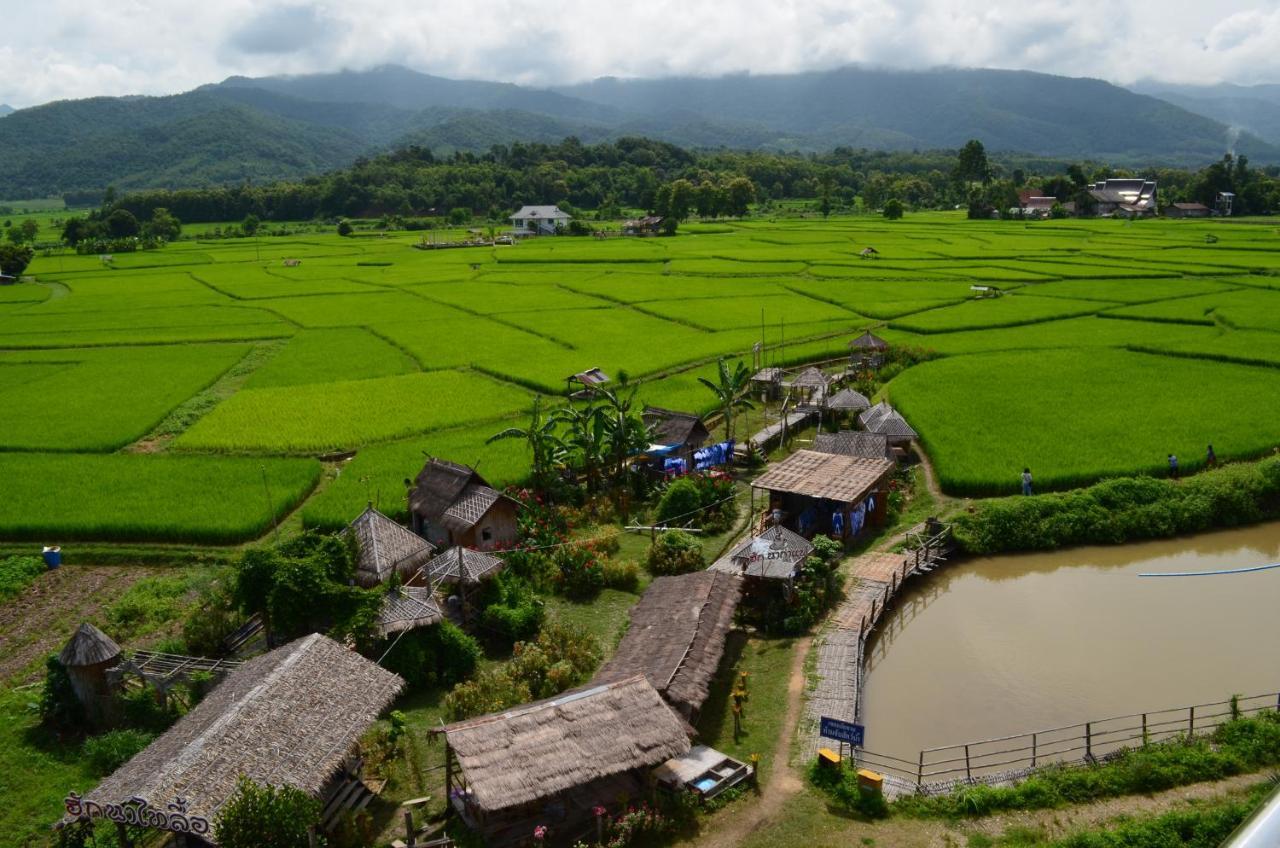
x=1004, y=645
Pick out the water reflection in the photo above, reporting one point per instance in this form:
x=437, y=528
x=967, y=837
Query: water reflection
x=1008, y=644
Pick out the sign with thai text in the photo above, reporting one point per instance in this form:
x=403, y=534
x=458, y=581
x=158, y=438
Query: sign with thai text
x=138, y=811
x=841, y=731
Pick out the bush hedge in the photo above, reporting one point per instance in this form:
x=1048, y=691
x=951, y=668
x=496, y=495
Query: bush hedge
x=675, y=552
x=1124, y=509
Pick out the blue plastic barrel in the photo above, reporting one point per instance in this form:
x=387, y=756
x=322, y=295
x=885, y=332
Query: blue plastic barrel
x=52, y=556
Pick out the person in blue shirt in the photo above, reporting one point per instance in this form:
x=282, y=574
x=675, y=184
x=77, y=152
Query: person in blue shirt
x=1173, y=466
x=1026, y=481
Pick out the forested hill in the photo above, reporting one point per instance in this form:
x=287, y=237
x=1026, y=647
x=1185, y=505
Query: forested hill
x=290, y=127
x=5, y=109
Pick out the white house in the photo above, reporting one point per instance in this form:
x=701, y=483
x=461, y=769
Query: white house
x=538, y=220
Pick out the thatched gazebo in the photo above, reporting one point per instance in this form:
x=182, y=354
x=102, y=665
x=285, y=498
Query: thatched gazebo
x=549, y=763
x=867, y=351
x=847, y=401
x=677, y=636
x=774, y=556
x=291, y=717
x=462, y=566
x=854, y=443
x=386, y=548
x=407, y=608
x=888, y=422
x=86, y=657
x=768, y=383
x=810, y=385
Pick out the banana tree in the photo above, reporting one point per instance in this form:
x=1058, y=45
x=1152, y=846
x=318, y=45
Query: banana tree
x=731, y=392
x=544, y=442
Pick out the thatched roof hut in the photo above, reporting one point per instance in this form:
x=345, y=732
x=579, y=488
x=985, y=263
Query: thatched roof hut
x=869, y=342
x=462, y=565
x=677, y=636
x=888, y=422
x=408, y=608
x=289, y=717
x=88, y=646
x=847, y=400
x=540, y=750
x=832, y=477
x=453, y=505
x=670, y=427
x=854, y=443
x=874, y=414
x=809, y=378
x=386, y=548
x=776, y=554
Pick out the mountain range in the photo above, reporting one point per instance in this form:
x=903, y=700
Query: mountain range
x=290, y=127
x=5, y=109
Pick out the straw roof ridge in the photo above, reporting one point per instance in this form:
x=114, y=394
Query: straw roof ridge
x=386, y=547
x=408, y=608
x=874, y=414
x=835, y=477
x=676, y=636
x=439, y=484
x=869, y=341
x=88, y=646
x=810, y=378
x=475, y=565
x=547, y=747
x=288, y=717
x=893, y=425
x=848, y=400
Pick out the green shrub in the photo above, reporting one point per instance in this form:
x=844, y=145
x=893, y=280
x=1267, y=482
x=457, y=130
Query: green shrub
x=16, y=573
x=675, y=552
x=511, y=609
x=843, y=788
x=59, y=706
x=141, y=709
x=108, y=752
x=259, y=816
x=679, y=504
x=440, y=655
x=211, y=622
x=579, y=572
x=623, y=575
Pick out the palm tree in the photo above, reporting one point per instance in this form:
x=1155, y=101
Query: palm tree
x=731, y=392
x=625, y=436
x=544, y=443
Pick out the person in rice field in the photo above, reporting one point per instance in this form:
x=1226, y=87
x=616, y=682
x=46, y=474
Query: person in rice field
x=1173, y=466
x=1026, y=481
x=1211, y=458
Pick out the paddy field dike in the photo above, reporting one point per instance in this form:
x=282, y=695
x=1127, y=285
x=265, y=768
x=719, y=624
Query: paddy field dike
x=197, y=393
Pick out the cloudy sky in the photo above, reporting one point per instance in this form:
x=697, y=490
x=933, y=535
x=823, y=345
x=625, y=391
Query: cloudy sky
x=54, y=49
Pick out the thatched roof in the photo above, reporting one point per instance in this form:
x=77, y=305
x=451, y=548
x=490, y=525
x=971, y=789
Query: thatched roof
x=848, y=400
x=472, y=565
x=853, y=443
x=874, y=414
x=542, y=749
x=386, y=548
x=88, y=646
x=869, y=341
x=844, y=479
x=288, y=717
x=675, y=428
x=677, y=635
x=810, y=378
x=894, y=427
x=452, y=495
x=767, y=375
x=774, y=555
x=408, y=608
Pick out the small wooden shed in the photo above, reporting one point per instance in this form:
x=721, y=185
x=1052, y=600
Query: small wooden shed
x=386, y=548
x=676, y=435
x=453, y=505
x=86, y=657
x=836, y=495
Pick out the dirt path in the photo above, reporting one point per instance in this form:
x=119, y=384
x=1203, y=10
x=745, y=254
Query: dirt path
x=931, y=478
x=39, y=620
x=730, y=827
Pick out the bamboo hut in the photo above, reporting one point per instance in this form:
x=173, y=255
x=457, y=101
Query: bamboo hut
x=86, y=657
x=847, y=402
x=767, y=382
x=386, y=548
x=888, y=422
x=854, y=443
x=453, y=505
x=549, y=763
x=867, y=351
x=812, y=492
x=462, y=566
x=677, y=636
x=809, y=387
x=290, y=717
x=676, y=436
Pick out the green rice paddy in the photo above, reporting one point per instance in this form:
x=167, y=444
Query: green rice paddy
x=1112, y=345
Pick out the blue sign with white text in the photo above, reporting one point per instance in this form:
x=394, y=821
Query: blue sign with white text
x=842, y=731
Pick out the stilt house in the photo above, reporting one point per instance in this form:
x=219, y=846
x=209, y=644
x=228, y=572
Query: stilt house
x=451, y=505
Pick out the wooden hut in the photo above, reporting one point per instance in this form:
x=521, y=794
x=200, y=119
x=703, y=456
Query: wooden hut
x=86, y=657
x=772, y=558
x=867, y=351
x=677, y=636
x=767, y=382
x=847, y=402
x=837, y=495
x=869, y=252
x=584, y=383
x=451, y=504
x=549, y=763
x=854, y=443
x=888, y=422
x=291, y=717
x=386, y=548
x=675, y=435
x=809, y=387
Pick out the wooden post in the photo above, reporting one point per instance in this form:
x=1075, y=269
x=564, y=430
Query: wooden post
x=968, y=772
x=448, y=780
x=122, y=834
x=1191, y=722
x=1033, y=750
x=1144, y=730
x=1088, y=741
x=920, y=772
x=409, y=837
x=312, y=842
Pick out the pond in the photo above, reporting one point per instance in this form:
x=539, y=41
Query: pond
x=1002, y=645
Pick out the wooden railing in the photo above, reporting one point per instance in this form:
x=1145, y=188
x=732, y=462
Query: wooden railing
x=1011, y=757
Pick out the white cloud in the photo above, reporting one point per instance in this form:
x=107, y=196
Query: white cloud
x=60, y=48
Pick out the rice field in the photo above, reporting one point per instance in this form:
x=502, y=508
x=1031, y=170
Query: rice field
x=1112, y=345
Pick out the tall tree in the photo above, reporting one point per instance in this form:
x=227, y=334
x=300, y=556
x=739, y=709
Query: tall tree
x=739, y=195
x=625, y=435
x=972, y=165
x=682, y=199
x=730, y=390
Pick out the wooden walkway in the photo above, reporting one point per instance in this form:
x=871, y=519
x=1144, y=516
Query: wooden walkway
x=773, y=432
x=874, y=580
